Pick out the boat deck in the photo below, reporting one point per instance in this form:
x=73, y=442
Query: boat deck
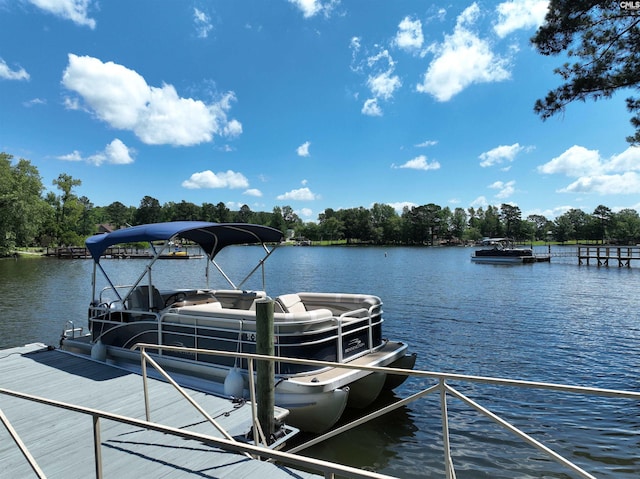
x=332, y=374
x=62, y=441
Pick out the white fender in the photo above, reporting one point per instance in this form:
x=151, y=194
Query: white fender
x=99, y=351
x=234, y=383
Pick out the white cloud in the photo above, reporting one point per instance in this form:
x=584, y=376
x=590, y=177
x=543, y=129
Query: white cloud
x=115, y=153
x=34, y=102
x=202, y=22
x=75, y=155
x=409, y=36
x=253, y=192
x=617, y=175
x=506, y=189
x=462, y=60
x=121, y=97
x=233, y=128
x=371, y=108
x=381, y=81
x=310, y=8
x=209, y=179
x=627, y=160
x=576, y=161
x=355, y=45
x=549, y=213
x=74, y=10
x=520, y=14
x=500, y=154
x=621, y=184
x=384, y=84
x=426, y=143
x=72, y=103
x=305, y=212
x=479, y=202
x=419, y=163
x=400, y=205
x=303, y=150
x=301, y=194
x=7, y=73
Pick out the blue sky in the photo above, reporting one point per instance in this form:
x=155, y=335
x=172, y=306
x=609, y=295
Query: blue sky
x=309, y=103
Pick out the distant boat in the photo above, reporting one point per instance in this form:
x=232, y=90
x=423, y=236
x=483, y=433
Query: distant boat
x=180, y=255
x=503, y=251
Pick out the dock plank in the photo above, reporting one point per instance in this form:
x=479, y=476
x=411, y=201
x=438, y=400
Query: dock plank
x=62, y=441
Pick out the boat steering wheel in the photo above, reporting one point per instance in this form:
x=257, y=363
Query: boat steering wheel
x=175, y=298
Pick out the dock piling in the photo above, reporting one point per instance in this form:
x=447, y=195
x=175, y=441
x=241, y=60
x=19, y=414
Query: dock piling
x=265, y=388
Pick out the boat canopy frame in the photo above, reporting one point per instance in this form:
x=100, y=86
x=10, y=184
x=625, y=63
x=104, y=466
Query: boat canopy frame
x=210, y=237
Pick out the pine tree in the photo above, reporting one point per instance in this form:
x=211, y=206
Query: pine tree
x=603, y=38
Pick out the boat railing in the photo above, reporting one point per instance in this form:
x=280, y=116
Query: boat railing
x=326, y=468
x=357, y=314
x=71, y=330
x=209, y=324
x=443, y=388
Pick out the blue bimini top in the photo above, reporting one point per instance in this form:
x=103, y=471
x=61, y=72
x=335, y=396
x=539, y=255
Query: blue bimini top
x=211, y=237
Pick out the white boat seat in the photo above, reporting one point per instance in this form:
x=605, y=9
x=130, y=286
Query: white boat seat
x=291, y=303
x=238, y=299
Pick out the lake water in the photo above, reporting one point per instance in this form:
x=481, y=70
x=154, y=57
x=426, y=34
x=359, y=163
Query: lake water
x=551, y=322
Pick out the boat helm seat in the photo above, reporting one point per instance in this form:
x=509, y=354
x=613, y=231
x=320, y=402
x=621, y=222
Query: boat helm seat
x=291, y=303
x=139, y=299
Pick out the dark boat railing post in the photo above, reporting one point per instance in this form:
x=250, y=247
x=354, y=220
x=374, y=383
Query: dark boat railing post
x=97, y=442
x=339, y=344
x=265, y=388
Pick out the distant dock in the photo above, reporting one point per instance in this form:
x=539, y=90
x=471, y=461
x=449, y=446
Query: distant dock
x=80, y=252
x=602, y=255
x=620, y=256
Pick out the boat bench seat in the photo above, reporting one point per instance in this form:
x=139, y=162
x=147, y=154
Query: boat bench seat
x=357, y=305
x=289, y=303
x=237, y=298
x=204, y=308
x=213, y=314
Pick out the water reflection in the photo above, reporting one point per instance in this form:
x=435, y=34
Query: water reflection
x=367, y=447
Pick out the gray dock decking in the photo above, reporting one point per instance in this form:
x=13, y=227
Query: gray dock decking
x=62, y=441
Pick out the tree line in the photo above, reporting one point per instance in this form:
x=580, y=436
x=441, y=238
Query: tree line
x=29, y=217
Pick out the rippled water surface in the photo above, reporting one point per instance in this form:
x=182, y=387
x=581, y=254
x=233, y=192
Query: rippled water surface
x=551, y=322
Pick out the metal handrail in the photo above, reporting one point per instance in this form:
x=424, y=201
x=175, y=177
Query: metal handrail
x=147, y=359
x=21, y=445
x=443, y=388
x=405, y=372
x=328, y=469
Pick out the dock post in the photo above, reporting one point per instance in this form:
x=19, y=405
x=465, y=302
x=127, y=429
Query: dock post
x=265, y=369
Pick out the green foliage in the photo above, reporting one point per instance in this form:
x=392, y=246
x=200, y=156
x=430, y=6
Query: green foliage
x=22, y=209
x=148, y=212
x=602, y=39
x=29, y=219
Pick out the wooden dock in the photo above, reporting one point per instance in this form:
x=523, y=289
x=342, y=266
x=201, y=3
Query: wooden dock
x=118, y=252
x=598, y=255
x=61, y=441
x=620, y=256
x=80, y=252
